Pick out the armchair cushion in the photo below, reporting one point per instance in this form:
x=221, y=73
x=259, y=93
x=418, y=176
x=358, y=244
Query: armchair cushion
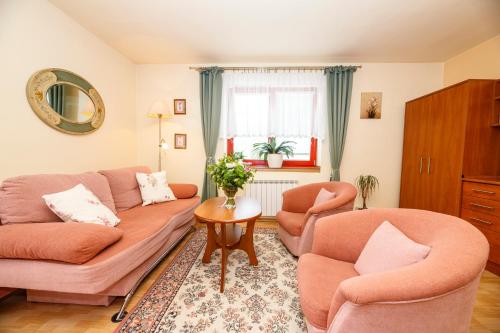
x=319, y=278
x=388, y=248
x=291, y=222
x=323, y=196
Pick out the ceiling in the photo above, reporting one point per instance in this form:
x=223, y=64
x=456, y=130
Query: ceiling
x=271, y=31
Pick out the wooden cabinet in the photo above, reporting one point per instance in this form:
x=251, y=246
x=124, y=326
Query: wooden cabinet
x=448, y=135
x=481, y=207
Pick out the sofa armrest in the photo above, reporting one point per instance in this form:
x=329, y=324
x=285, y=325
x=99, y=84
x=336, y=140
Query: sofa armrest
x=184, y=191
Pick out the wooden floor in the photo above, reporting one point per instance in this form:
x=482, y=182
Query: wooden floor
x=17, y=315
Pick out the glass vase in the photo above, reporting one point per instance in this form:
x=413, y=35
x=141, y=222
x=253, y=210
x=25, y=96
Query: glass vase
x=230, y=193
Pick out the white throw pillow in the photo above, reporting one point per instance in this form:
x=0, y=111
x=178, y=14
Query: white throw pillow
x=154, y=188
x=78, y=204
x=323, y=196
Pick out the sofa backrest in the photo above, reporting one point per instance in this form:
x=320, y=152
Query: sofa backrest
x=21, y=197
x=124, y=186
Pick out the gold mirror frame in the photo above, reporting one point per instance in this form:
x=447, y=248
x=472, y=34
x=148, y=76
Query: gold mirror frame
x=36, y=92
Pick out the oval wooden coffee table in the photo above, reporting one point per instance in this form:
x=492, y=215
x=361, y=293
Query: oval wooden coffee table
x=231, y=236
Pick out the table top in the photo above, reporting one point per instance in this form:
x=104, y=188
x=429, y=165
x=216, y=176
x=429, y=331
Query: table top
x=212, y=210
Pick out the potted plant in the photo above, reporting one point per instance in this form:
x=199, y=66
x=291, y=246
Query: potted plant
x=230, y=174
x=272, y=152
x=366, y=185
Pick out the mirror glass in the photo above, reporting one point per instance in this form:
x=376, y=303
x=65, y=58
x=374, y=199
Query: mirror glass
x=70, y=103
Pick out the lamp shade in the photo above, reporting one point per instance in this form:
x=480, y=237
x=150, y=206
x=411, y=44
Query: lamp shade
x=160, y=109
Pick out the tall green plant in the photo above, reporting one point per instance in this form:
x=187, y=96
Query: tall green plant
x=265, y=148
x=366, y=185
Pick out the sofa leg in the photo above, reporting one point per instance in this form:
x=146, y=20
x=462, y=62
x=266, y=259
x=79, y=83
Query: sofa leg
x=120, y=315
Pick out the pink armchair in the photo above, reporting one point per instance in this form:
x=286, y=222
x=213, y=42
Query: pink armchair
x=298, y=215
x=436, y=294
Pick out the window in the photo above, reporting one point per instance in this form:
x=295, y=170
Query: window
x=304, y=155
x=288, y=106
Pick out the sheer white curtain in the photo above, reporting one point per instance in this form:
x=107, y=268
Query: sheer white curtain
x=282, y=104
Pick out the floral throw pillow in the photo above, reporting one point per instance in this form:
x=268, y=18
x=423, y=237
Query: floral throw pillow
x=78, y=204
x=154, y=188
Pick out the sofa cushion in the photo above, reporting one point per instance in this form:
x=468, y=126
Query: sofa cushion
x=291, y=222
x=21, y=197
x=184, y=191
x=388, y=248
x=318, y=278
x=74, y=243
x=78, y=204
x=124, y=186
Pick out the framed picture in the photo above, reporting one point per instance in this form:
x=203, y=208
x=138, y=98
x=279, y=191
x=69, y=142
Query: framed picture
x=179, y=106
x=180, y=141
x=371, y=105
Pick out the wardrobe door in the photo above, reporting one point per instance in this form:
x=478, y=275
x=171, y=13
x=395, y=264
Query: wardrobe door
x=443, y=164
x=412, y=191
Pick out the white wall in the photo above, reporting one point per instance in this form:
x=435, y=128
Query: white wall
x=372, y=146
x=35, y=35
x=479, y=62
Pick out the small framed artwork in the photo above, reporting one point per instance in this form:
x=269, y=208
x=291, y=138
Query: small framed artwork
x=180, y=141
x=179, y=106
x=371, y=105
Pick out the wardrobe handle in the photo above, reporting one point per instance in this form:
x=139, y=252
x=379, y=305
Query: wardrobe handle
x=429, y=166
x=481, y=221
x=482, y=206
x=483, y=192
x=421, y=161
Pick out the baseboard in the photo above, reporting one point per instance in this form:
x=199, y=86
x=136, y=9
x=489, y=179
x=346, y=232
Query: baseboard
x=493, y=267
x=5, y=292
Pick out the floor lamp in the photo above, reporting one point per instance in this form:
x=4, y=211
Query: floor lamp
x=160, y=111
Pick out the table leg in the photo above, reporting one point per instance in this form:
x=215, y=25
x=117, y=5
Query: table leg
x=246, y=243
x=211, y=243
x=224, y=255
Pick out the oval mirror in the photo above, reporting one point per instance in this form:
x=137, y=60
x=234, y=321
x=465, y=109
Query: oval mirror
x=65, y=101
x=70, y=102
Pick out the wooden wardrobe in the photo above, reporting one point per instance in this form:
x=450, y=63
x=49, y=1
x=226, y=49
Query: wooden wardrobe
x=448, y=134
x=452, y=140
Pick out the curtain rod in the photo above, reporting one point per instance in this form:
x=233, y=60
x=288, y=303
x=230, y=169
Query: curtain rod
x=265, y=68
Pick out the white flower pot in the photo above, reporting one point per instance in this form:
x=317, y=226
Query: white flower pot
x=275, y=160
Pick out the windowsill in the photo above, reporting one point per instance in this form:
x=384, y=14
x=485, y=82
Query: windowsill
x=315, y=169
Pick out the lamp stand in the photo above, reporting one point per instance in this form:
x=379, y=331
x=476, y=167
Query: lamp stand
x=159, y=142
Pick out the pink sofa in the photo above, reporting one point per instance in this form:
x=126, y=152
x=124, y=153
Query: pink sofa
x=148, y=234
x=298, y=216
x=434, y=295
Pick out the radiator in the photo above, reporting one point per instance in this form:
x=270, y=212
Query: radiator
x=269, y=194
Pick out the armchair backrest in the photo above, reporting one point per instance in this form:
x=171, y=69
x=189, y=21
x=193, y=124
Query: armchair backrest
x=301, y=198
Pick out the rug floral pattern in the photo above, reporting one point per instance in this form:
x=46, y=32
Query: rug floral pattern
x=186, y=297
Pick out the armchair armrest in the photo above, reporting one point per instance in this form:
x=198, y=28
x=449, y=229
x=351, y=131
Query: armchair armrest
x=184, y=191
x=423, y=281
x=343, y=201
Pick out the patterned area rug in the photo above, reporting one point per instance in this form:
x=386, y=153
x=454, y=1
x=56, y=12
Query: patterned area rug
x=186, y=297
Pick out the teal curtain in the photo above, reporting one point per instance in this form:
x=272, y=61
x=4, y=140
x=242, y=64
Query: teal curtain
x=339, y=90
x=210, y=99
x=56, y=98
